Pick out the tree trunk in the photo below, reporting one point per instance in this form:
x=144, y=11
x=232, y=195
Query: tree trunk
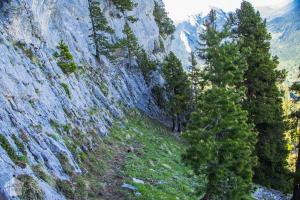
x=94, y=30
x=296, y=192
x=206, y=197
x=178, y=124
x=174, y=123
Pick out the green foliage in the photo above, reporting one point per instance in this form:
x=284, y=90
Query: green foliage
x=27, y=51
x=64, y=161
x=156, y=159
x=66, y=188
x=146, y=65
x=220, y=138
x=66, y=88
x=158, y=94
x=178, y=87
x=165, y=24
x=264, y=99
x=132, y=19
x=40, y=173
x=131, y=42
x=19, y=144
x=104, y=88
x=65, y=59
x=30, y=189
x=123, y=5
x=100, y=30
x=11, y=152
x=81, y=188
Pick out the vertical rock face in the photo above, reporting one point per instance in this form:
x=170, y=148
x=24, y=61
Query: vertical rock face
x=33, y=101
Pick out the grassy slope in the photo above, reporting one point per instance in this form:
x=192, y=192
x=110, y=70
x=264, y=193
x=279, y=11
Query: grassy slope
x=140, y=148
x=155, y=158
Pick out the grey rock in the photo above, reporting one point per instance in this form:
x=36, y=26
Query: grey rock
x=129, y=187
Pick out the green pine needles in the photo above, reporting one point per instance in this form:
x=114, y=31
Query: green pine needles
x=220, y=137
x=263, y=98
x=100, y=31
x=178, y=88
x=165, y=24
x=124, y=5
x=65, y=59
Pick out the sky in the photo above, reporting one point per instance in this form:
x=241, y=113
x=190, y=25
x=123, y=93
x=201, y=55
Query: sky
x=179, y=10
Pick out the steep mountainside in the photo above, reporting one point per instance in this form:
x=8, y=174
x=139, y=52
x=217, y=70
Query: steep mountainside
x=41, y=108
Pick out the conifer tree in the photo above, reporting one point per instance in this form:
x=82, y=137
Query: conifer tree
x=131, y=42
x=100, y=29
x=65, y=59
x=178, y=88
x=145, y=65
x=165, y=24
x=296, y=184
x=263, y=98
x=123, y=4
x=220, y=138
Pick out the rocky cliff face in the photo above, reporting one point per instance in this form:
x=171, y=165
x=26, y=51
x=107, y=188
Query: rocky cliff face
x=37, y=98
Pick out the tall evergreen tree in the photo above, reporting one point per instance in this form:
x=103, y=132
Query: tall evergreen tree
x=296, y=185
x=178, y=89
x=100, y=29
x=131, y=42
x=221, y=140
x=263, y=99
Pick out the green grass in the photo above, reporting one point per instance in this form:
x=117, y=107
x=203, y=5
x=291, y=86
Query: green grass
x=156, y=159
x=142, y=149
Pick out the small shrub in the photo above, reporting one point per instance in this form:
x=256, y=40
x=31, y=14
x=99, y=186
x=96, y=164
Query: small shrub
x=27, y=51
x=81, y=188
x=40, y=173
x=66, y=88
x=104, y=88
x=132, y=19
x=66, y=188
x=64, y=161
x=65, y=59
x=9, y=150
x=20, y=145
x=30, y=189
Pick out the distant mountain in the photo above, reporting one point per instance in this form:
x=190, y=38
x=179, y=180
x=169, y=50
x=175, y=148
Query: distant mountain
x=187, y=35
x=285, y=30
x=283, y=23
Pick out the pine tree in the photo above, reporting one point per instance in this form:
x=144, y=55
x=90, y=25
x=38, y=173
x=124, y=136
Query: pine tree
x=100, y=30
x=263, y=98
x=178, y=87
x=123, y=4
x=131, y=42
x=165, y=24
x=220, y=138
x=296, y=185
x=65, y=59
x=145, y=65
